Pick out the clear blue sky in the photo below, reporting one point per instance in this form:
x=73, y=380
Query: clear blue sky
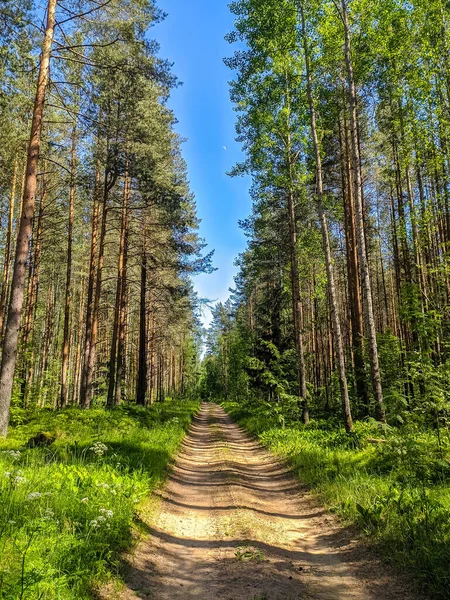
x=192, y=37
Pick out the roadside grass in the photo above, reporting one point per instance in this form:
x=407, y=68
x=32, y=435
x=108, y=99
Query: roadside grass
x=394, y=484
x=67, y=505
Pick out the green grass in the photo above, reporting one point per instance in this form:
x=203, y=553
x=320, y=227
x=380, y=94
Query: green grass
x=393, y=484
x=67, y=509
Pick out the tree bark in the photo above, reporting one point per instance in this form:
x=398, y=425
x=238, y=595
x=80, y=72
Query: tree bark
x=359, y=213
x=7, y=255
x=90, y=289
x=88, y=390
x=297, y=309
x=118, y=335
x=354, y=288
x=295, y=275
x=11, y=337
x=66, y=335
x=141, y=391
x=336, y=326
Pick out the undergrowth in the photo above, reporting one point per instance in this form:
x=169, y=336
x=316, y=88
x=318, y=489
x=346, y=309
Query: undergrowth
x=394, y=484
x=67, y=505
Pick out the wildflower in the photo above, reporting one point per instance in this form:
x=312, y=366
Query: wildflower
x=18, y=480
x=107, y=513
x=93, y=523
x=14, y=454
x=101, y=518
x=34, y=496
x=7, y=474
x=84, y=500
x=99, y=449
x=105, y=486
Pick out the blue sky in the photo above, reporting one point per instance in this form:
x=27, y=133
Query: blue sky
x=192, y=37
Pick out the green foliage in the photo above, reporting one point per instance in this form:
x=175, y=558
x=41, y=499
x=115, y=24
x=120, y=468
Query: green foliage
x=393, y=483
x=67, y=509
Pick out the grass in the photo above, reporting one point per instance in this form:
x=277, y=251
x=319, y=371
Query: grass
x=67, y=508
x=393, y=484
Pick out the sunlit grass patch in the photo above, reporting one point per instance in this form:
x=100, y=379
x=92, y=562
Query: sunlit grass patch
x=66, y=509
x=394, y=484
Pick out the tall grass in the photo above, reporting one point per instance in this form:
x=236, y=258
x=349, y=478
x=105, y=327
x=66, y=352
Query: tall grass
x=393, y=484
x=67, y=507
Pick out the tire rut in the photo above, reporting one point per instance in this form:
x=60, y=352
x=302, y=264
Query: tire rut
x=234, y=524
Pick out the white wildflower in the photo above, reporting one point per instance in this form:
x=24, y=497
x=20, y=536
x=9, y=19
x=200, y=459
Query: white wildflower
x=34, y=496
x=7, y=474
x=99, y=449
x=93, y=523
x=107, y=513
x=101, y=518
x=18, y=480
x=14, y=454
x=105, y=486
x=84, y=500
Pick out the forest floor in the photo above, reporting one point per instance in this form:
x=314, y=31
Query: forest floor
x=234, y=524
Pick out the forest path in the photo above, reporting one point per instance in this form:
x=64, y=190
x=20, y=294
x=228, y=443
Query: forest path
x=234, y=524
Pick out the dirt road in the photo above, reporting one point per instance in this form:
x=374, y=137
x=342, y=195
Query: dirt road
x=235, y=525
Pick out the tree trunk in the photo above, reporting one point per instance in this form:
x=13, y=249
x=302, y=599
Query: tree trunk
x=294, y=272
x=11, y=337
x=141, y=391
x=354, y=287
x=297, y=309
x=77, y=359
x=357, y=179
x=87, y=398
x=90, y=289
x=336, y=326
x=66, y=347
x=118, y=333
x=7, y=256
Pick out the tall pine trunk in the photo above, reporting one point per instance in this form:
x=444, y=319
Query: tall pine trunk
x=294, y=270
x=118, y=334
x=90, y=359
x=141, y=391
x=7, y=255
x=11, y=337
x=90, y=289
x=359, y=213
x=66, y=335
x=336, y=326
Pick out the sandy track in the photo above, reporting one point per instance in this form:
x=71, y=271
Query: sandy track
x=235, y=525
